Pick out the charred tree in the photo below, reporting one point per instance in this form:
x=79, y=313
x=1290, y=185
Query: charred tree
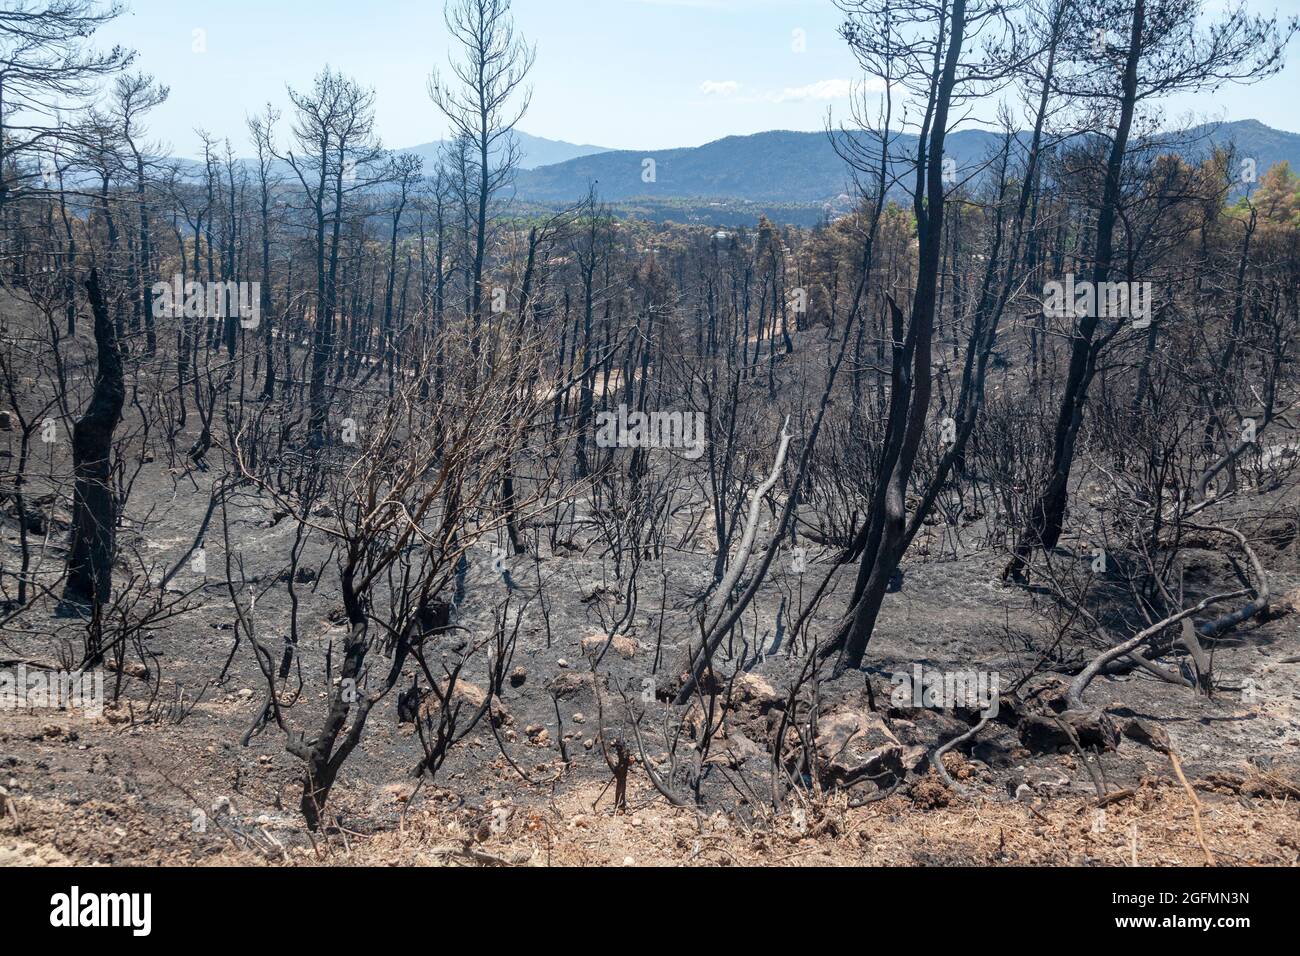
x=94, y=508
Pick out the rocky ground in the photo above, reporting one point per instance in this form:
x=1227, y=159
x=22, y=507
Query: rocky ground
x=168, y=781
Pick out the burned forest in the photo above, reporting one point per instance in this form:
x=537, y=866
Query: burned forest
x=361, y=506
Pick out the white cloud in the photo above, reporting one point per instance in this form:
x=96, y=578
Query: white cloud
x=824, y=90
x=719, y=87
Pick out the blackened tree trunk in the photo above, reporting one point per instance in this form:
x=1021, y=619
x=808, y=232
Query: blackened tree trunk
x=1047, y=517
x=911, y=377
x=94, y=510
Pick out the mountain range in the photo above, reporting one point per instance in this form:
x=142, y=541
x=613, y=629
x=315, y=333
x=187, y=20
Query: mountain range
x=801, y=168
x=792, y=177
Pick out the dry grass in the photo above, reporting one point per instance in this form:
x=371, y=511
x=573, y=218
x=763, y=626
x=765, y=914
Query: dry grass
x=1263, y=830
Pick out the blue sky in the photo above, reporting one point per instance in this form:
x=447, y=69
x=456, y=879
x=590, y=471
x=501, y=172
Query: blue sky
x=634, y=74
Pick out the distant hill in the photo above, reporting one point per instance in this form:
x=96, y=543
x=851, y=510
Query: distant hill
x=790, y=167
x=1265, y=145
x=777, y=166
x=534, y=151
